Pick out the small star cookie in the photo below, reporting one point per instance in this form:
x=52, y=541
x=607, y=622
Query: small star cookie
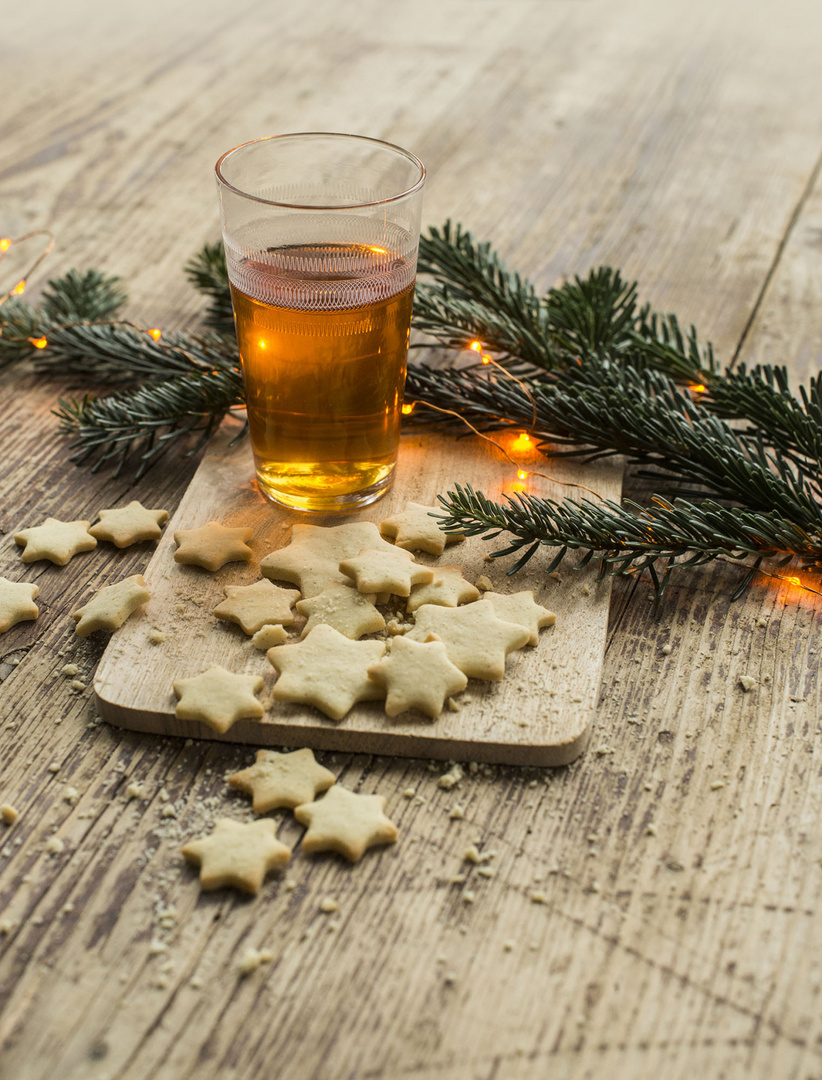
x=212, y=546
x=522, y=609
x=326, y=670
x=254, y=606
x=417, y=675
x=276, y=780
x=476, y=641
x=129, y=524
x=312, y=558
x=269, y=636
x=17, y=603
x=57, y=541
x=237, y=853
x=345, y=822
x=448, y=589
x=343, y=607
x=111, y=606
x=415, y=530
x=393, y=571
x=218, y=698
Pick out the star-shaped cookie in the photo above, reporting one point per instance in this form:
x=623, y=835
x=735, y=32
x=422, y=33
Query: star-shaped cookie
x=111, y=606
x=345, y=822
x=343, y=607
x=312, y=558
x=238, y=853
x=254, y=606
x=276, y=780
x=415, y=530
x=212, y=546
x=131, y=524
x=326, y=670
x=448, y=589
x=522, y=609
x=393, y=571
x=17, y=603
x=218, y=698
x=417, y=675
x=476, y=641
x=55, y=540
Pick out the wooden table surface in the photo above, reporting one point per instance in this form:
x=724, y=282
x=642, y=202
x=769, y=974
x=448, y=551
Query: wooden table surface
x=679, y=858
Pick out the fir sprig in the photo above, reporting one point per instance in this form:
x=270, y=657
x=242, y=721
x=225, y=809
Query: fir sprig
x=208, y=274
x=628, y=537
x=146, y=422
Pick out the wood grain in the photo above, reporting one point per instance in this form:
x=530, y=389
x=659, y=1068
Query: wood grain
x=679, y=858
x=539, y=714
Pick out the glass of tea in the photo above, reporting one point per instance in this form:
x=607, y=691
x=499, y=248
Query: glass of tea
x=321, y=234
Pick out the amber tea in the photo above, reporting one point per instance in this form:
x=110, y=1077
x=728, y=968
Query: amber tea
x=321, y=233
x=324, y=382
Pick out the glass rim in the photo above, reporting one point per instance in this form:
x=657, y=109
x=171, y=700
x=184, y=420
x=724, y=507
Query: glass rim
x=325, y=135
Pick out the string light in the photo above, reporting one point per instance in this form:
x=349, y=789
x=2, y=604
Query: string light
x=408, y=408
x=699, y=388
x=6, y=242
x=155, y=333
x=38, y=343
x=522, y=442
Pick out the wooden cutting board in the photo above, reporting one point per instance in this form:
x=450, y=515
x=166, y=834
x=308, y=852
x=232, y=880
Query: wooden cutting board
x=539, y=714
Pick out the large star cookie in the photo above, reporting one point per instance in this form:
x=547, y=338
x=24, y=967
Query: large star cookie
x=276, y=780
x=57, y=541
x=448, y=589
x=218, y=698
x=343, y=607
x=415, y=530
x=476, y=641
x=326, y=670
x=393, y=571
x=345, y=822
x=131, y=524
x=312, y=558
x=258, y=605
x=417, y=675
x=238, y=853
x=17, y=603
x=111, y=606
x=522, y=609
x=212, y=546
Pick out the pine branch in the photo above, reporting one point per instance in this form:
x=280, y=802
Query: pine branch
x=630, y=538
x=208, y=274
x=473, y=297
x=602, y=408
x=117, y=352
x=145, y=422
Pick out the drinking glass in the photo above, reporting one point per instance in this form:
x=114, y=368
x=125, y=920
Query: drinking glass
x=321, y=234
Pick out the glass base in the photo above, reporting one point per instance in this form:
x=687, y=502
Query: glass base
x=328, y=502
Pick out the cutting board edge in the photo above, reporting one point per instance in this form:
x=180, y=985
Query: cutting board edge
x=343, y=739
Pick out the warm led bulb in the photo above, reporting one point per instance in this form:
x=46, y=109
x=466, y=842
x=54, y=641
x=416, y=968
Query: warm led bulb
x=155, y=333
x=38, y=343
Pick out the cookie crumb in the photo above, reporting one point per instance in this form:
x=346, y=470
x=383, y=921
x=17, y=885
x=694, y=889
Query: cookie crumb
x=509, y=945
x=55, y=846
x=486, y=871
x=484, y=583
x=155, y=636
x=473, y=855
x=468, y=898
x=135, y=791
x=456, y=813
x=650, y=829
x=54, y=767
x=290, y=884
x=666, y=649
x=328, y=905
x=717, y=784
x=538, y=898
x=9, y=814
x=454, y=706
x=250, y=961
x=450, y=779
x=747, y=682
x=71, y=795
x=69, y=669
x=409, y=793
